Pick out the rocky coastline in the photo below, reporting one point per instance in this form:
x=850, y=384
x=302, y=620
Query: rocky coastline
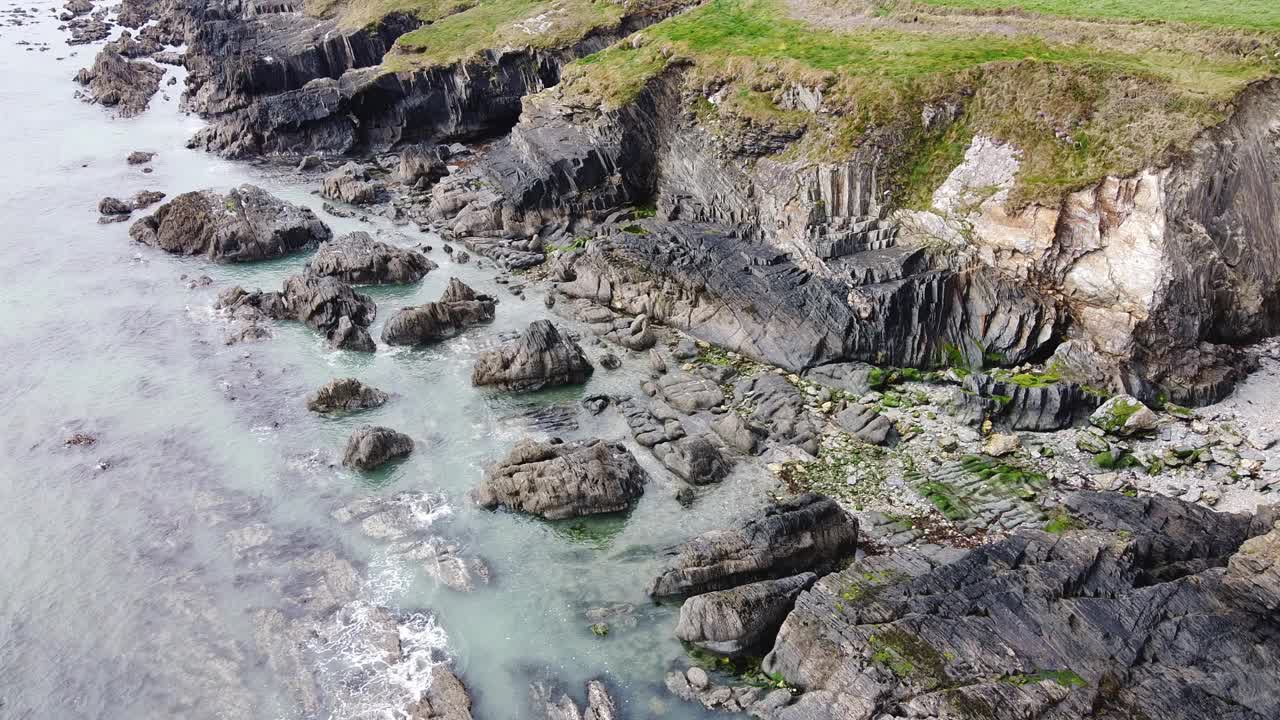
x=1012, y=465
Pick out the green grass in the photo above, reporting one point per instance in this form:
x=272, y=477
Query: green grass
x=497, y=24
x=1248, y=14
x=354, y=14
x=1076, y=111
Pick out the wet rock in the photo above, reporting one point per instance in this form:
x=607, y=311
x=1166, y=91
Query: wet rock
x=445, y=562
x=246, y=224
x=565, y=480
x=145, y=199
x=552, y=703
x=740, y=619
x=694, y=459
x=113, y=206
x=353, y=184
x=358, y=259
x=1124, y=415
x=309, y=162
x=371, y=447
x=864, y=423
x=458, y=309
x=345, y=395
x=807, y=532
x=609, y=361
x=596, y=404
x=139, y=157
x=331, y=307
x=445, y=699
x=541, y=357
x=649, y=425
x=1133, y=616
x=125, y=85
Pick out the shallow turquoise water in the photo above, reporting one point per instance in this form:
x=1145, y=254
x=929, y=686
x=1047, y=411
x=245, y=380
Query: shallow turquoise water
x=122, y=594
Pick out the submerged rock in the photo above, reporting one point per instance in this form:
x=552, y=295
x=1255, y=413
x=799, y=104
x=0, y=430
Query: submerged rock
x=737, y=620
x=1134, y=616
x=371, y=447
x=358, y=259
x=541, y=357
x=559, y=481
x=458, y=309
x=807, y=532
x=247, y=223
x=345, y=395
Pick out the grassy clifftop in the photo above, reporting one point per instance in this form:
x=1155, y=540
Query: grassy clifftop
x=1081, y=99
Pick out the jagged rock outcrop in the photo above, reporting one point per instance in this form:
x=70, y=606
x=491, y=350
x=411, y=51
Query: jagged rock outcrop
x=125, y=85
x=551, y=702
x=807, y=532
x=1027, y=405
x=1135, y=616
x=330, y=306
x=345, y=395
x=352, y=183
x=745, y=296
x=358, y=259
x=540, y=358
x=286, y=83
x=247, y=223
x=778, y=407
x=370, y=447
x=558, y=481
x=458, y=309
x=737, y=620
x=865, y=423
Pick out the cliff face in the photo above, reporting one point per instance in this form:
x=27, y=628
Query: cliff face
x=274, y=81
x=1163, y=272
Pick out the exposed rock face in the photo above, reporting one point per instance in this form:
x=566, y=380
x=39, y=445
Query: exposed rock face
x=779, y=408
x=559, y=481
x=865, y=424
x=807, y=532
x=331, y=307
x=446, y=699
x=541, y=357
x=122, y=84
x=1137, y=617
x=358, y=259
x=458, y=309
x=371, y=447
x=246, y=224
x=352, y=183
x=422, y=164
x=751, y=298
x=735, y=621
x=286, y=83
x=345, y=395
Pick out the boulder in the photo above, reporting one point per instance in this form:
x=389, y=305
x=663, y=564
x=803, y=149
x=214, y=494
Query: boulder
x=358, y=259
x=695, y=459
x=688, y=393
x=351, y=183
x=735, y=621
x=565, y=480
x=779, y=408
x=1132, y=615
x=419, y=162
x=371, y=447
x=331, y=307
x=247, y=223
x=119, y=83
x=139, y=157
x=445, y=699
x=145, y=198
x=804, y=533
x=113, y=206
x=345, y=395
x=458, y=309
x=541, y=357
x=1124, y=415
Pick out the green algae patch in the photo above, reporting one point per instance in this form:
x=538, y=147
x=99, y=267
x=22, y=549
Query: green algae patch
x=1065, y=678
x=908, y=656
